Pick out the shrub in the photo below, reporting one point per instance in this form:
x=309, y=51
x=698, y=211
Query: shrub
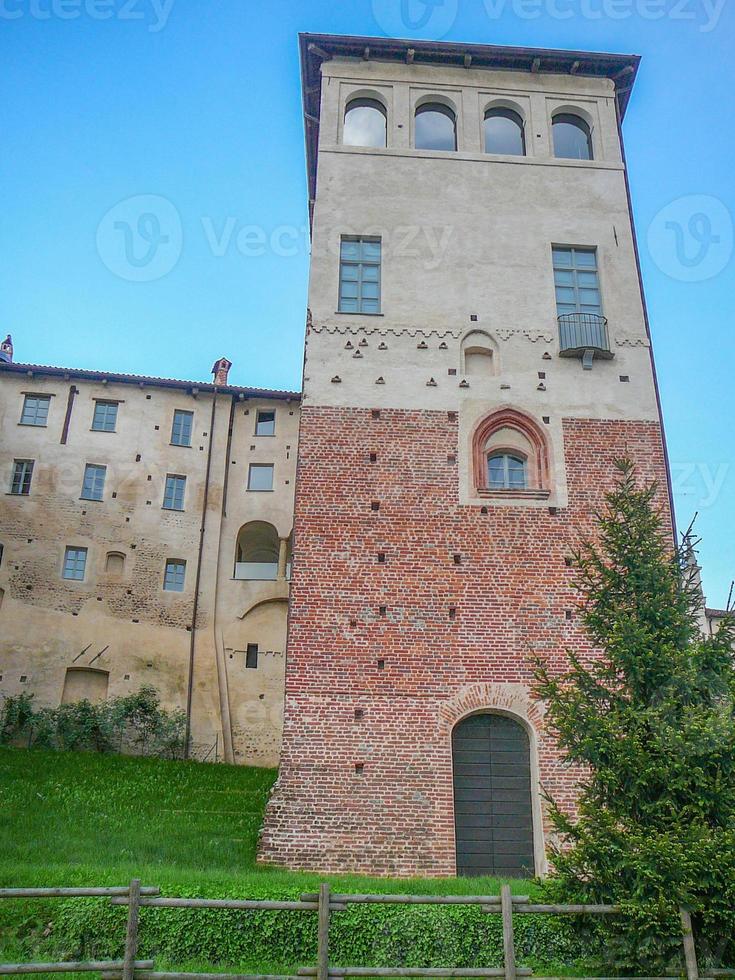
x=136, y=722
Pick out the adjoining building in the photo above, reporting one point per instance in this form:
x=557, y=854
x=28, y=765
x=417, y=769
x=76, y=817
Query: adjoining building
x=145, y=539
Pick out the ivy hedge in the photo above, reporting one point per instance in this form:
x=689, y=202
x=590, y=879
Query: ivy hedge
x=363, y=935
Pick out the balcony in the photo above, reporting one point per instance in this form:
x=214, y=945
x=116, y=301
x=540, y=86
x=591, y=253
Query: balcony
x=259, y=571
x=584, y=335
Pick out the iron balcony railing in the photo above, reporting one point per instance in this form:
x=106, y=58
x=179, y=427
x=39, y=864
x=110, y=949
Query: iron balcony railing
x=582, y=332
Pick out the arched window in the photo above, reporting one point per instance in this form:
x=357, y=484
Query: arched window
x=504, y=132
x=435, y=127
x=510, y=456
x=572, y=137
x=258, y=547
x=366, y=123
x=115, y=564
x=493, y=805
x=479, y=355
x=507, y=471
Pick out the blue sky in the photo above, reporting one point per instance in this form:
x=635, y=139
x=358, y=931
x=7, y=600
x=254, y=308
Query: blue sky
x=195, y=108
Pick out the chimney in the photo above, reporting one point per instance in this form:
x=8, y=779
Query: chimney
x=6, y=350
x=220, y=370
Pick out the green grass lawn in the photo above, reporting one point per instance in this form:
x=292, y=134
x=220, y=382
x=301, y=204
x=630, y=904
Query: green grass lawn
x=191, y=829
x=86, y=819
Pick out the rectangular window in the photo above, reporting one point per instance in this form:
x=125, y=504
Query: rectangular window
x=181, y=428
x=75, y=563
x=251, y=656
x=575, y=280
x=22, y=476
x=260, y=476
x=93, y=487
x=173, y=577
x=35, y=410
x=173, y=495
x=265, y=424
x=105, y=416
x=359, y=275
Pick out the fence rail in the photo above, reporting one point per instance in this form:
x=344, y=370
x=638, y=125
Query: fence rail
x=324, y=903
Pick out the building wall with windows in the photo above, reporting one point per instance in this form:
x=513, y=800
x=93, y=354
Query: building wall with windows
x=477, y=357
x=107, y=482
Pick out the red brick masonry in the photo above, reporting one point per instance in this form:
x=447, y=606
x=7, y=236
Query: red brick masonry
x=372, y=694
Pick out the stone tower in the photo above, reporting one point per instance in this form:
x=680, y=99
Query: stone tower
x=477, y=356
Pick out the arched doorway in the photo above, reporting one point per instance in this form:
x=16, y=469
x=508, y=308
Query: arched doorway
x=493, y=813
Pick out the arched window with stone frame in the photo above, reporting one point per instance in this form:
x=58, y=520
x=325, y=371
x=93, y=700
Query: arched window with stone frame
x=510, y=456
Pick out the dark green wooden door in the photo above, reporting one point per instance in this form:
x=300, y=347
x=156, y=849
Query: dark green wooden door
x=492, y=797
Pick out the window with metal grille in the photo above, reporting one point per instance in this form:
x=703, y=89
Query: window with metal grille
x=174, y=575
x=75, y=564
x=251, y=655
x=575, y=280
x=506, y=471
x=359, y=275
x=93, y=486
x=260, y=476
x=35, y=410
x=181, y=428
x=22, y=475
x=265, y=423
x=105, y=416
x=173, y=495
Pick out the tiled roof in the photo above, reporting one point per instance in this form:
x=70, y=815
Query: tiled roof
x=141, y=379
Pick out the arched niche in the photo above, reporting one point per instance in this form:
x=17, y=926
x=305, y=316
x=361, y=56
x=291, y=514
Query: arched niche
x=479, y=354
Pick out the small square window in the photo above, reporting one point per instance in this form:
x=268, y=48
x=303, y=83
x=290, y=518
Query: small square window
x=35, y=410
x=20, y=483
x=105, y=416
x=260, y=476
x=93, y=487
x=173, y=495
x=181, y=428
x=265, y=424
x=75, y=564
x=174, y=575
x=251, y=656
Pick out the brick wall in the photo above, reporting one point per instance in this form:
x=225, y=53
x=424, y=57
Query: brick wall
x=381, y=689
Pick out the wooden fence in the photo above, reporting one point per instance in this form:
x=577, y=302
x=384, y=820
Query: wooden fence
x=324, y=903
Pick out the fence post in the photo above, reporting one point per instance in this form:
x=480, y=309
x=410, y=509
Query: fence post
x=322, y=966
x=690, y=952
x=131, y=938
x=509, y=952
